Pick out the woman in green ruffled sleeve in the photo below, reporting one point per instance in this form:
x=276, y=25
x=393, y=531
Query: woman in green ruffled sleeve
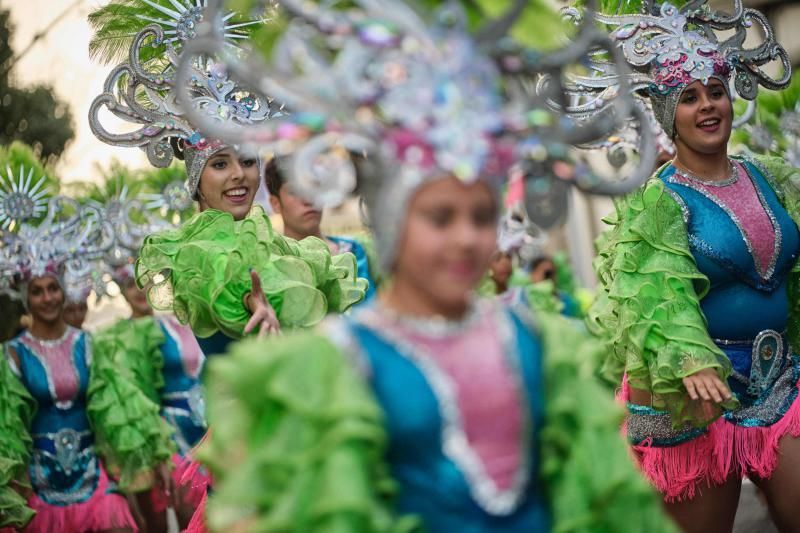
x=427, y=408
x=225, y=272
x=699, y=299
x=73, y=430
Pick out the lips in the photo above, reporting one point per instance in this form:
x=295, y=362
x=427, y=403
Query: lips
x=462, y=270
x=236, y=195
x=709, y=125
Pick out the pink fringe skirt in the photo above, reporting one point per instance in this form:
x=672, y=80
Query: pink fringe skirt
x=723, y=450
x=189, y=479
x=101, y=512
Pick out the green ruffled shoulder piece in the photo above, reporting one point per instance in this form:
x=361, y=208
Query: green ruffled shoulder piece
x=786, y=180
x=201, y=272
x=17, y=408
x=124, y=405
x=592, y=482
x=541, y=296
x=297, y=442
x=648, y=303
x=486, y=287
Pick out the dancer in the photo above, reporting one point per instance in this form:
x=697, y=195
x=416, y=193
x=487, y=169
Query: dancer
x=164, y=360
x=699, y=292
x=389, y=418
x=64, y=425
x=225, y=272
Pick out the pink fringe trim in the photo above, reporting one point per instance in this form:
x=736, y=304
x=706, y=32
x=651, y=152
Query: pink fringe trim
x=189, y=477
x=679, y=472
x=101, y=512
x=198, y=523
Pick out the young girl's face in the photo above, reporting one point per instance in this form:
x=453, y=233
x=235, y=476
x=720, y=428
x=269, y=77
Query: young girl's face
x=229, y=183
x=703, y=118
x=448, y=240
x=45, y=299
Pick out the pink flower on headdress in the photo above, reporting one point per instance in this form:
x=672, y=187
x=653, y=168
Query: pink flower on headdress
x=411, y=148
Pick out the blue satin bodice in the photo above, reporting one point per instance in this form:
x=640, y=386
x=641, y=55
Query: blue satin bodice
x=216, y=344
x=740, y=303
x=432, y=485
x=64, y=468
x=182, y=403
x=347, y=244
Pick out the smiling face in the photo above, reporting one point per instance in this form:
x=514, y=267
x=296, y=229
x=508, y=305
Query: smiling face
x=45, y=300
x=449, y=237
x=703, y=118
x=229, y=183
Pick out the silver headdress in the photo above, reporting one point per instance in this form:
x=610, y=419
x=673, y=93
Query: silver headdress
x=64, y=245
x=142, y=91
x=670, y=47
x=419, y=100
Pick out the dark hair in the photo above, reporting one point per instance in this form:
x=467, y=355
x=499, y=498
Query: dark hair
x=273, y=177
x=541, y=259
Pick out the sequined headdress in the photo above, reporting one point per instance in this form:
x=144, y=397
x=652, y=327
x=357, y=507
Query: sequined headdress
x=670, y=46
x=141, y=91
x=420, y=97
x=132, y=216
x=64, y=244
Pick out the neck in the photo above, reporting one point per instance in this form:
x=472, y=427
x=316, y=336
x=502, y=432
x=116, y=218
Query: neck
x=500, y=288
x=300, y=235
x=406, y=299
x=712, y=167
x=48, y=330
x=136, y=313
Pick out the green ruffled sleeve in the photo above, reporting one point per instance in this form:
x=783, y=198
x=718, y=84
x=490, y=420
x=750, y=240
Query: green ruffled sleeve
x=124, y=386
x=17, y=408
x=541, y=296
x=297, y=442
x=201, y=272
x=787, y=179
x=648, y=304
x=592, y=482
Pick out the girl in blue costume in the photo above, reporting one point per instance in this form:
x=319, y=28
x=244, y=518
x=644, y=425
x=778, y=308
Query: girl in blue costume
x=699, y=299
x=63, y=421
x=425, y=408
x=166, y=362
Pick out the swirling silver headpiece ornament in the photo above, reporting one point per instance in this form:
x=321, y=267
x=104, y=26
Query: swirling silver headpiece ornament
x=671, y=47
x=420, y=100
x=64, y=244
x=142, y=91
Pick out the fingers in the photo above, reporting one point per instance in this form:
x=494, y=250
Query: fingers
x=723, y=389
x=263, y=330
x=252, y=323
x=707, y=386
x=255, y=281
x=690, y=388
x=702, y=390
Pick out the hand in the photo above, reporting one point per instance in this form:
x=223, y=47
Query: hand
x=706, y=385
x=263, y=314
x=164, y=477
